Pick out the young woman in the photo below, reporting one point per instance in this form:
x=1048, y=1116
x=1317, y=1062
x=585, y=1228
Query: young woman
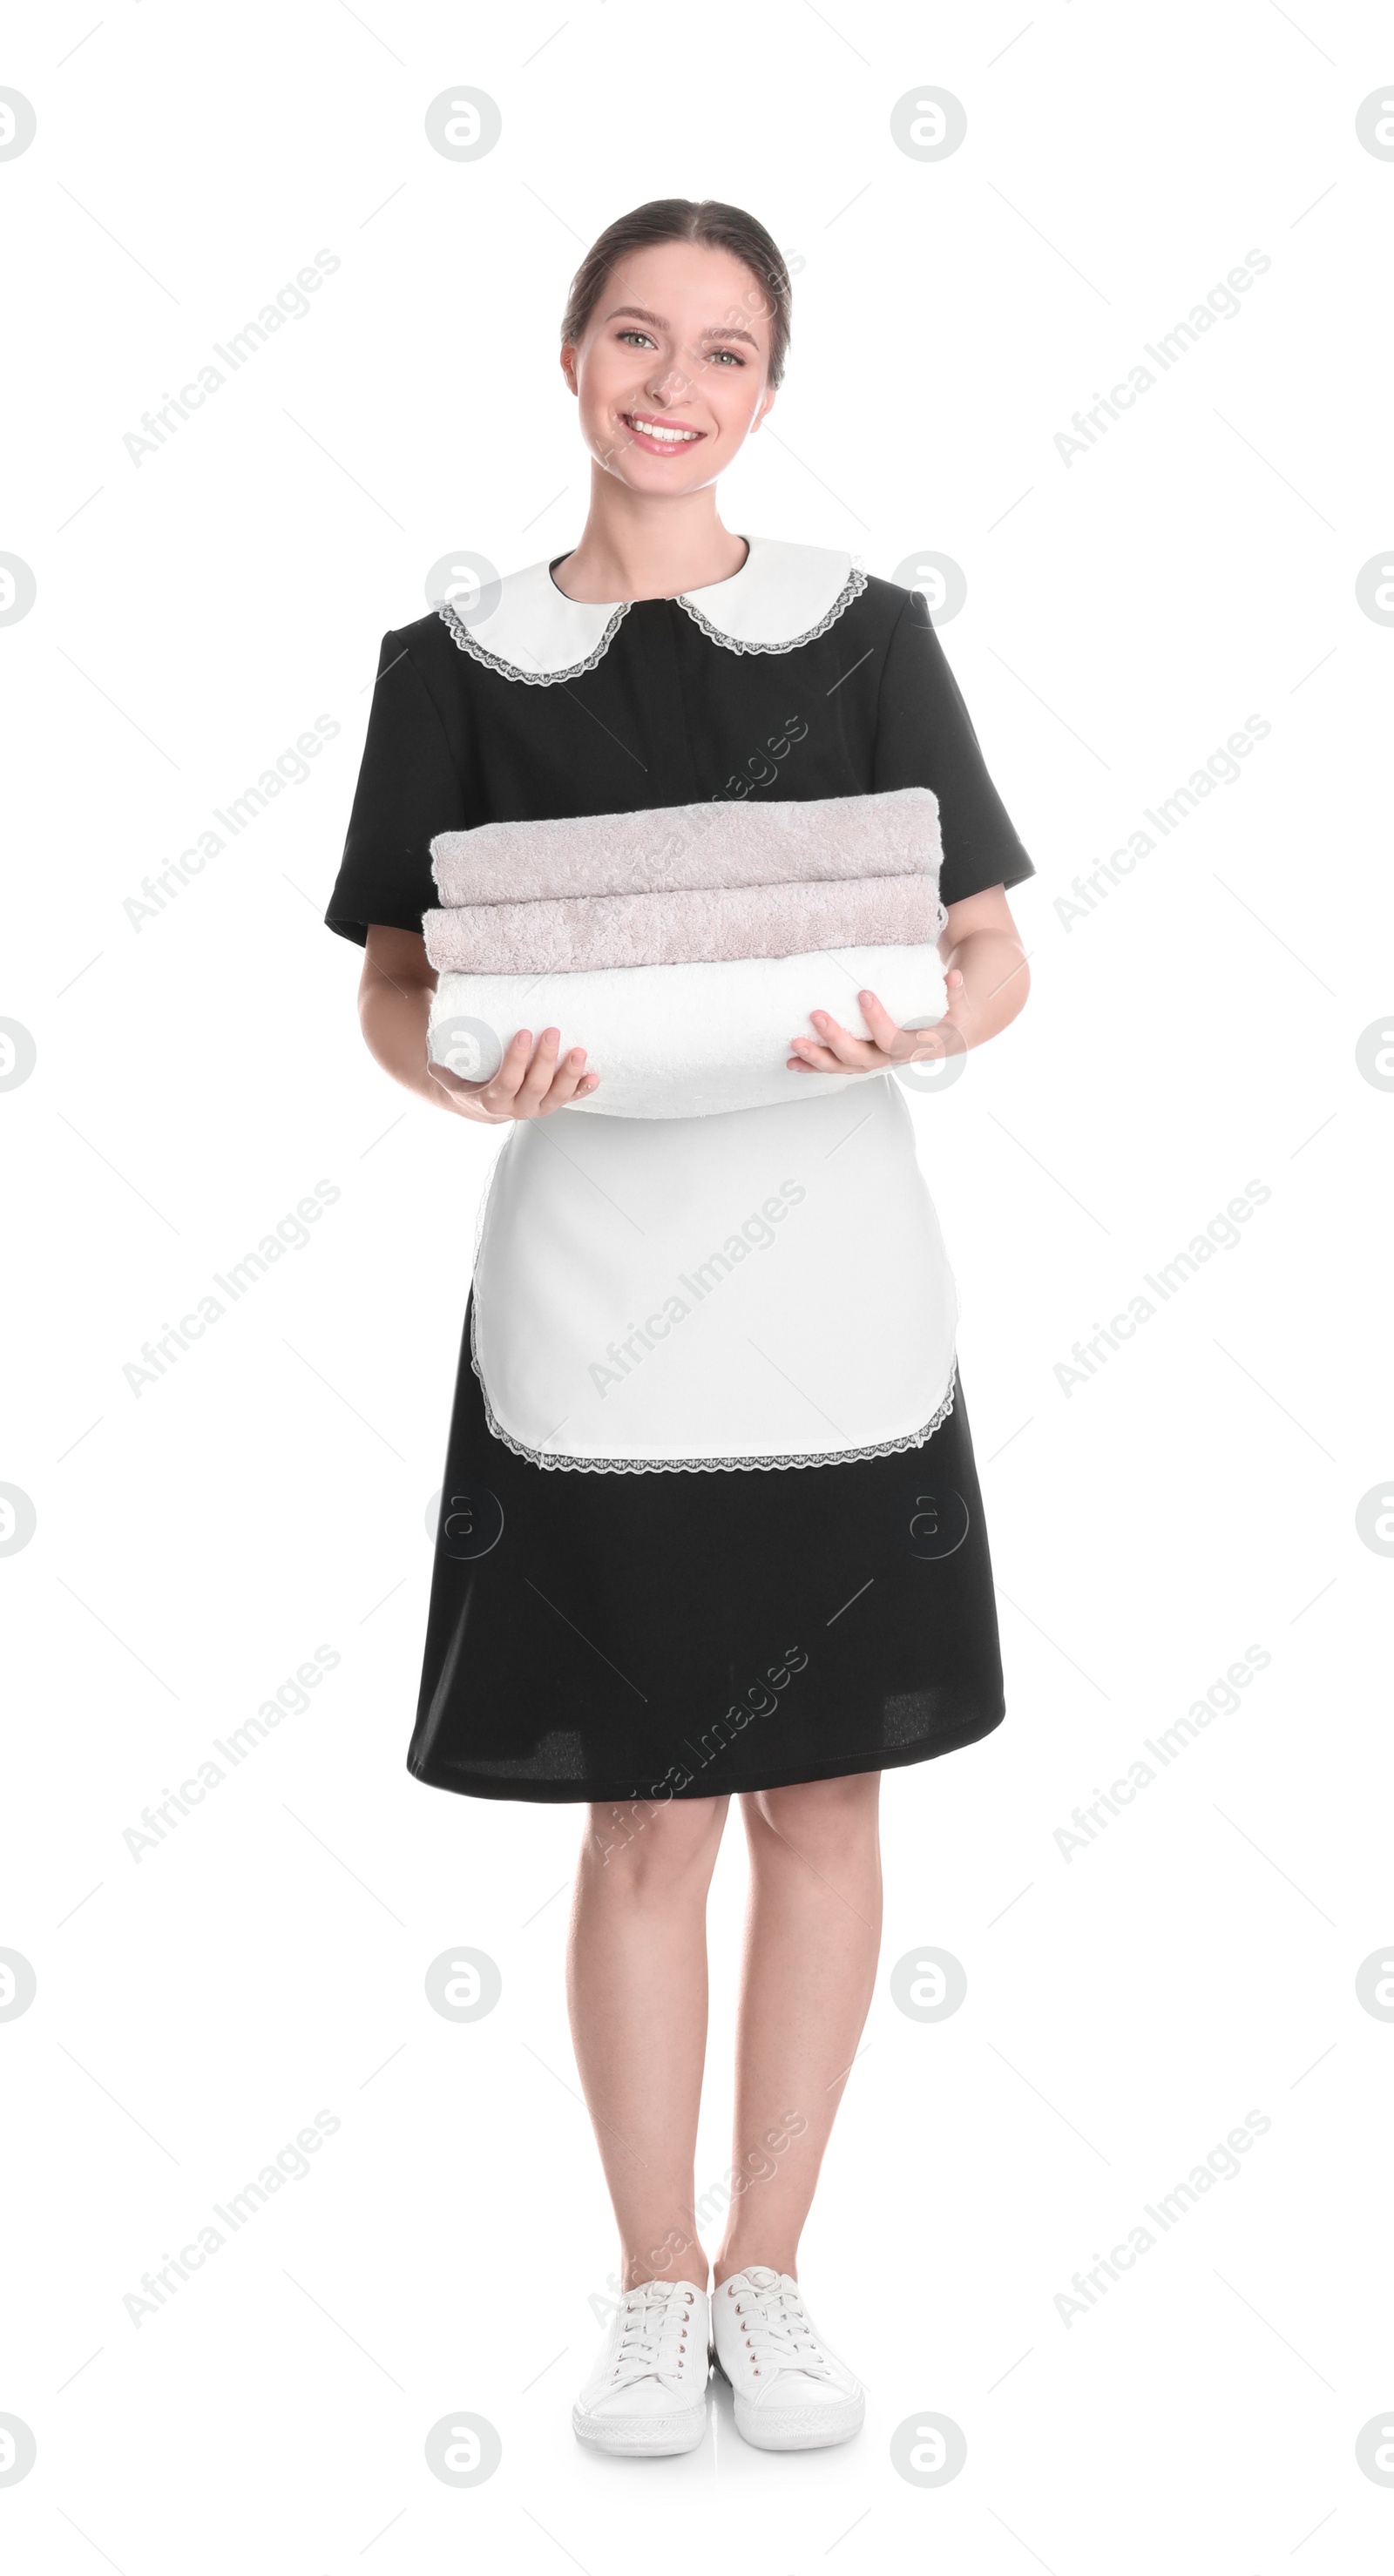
x=759, y=1568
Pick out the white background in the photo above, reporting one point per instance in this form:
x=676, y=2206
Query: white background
x=196, y=1076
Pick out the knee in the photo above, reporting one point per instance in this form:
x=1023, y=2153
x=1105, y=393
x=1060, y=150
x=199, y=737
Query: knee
x=647, y=1843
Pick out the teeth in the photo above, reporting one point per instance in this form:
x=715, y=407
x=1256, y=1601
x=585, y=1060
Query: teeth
x=651, y=429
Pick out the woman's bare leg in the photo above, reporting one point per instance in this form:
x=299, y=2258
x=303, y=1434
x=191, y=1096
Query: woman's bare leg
x=637, y=1995
x=813, y=1936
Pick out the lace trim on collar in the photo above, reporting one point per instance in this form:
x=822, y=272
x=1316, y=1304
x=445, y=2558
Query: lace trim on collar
x=851, y=589
x=512, y=670
x=466, y=642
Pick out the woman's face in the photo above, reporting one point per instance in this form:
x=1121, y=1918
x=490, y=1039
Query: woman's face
x=671, y=372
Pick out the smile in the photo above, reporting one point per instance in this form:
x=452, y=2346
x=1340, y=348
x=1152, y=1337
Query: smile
x=657, y=433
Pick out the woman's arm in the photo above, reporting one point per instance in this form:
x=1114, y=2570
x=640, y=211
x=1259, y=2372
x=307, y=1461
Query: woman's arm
x=986, y=980
x=394, y=1005
x=981, y=940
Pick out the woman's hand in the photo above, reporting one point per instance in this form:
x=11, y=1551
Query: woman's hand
x=986, y=981
x=394, y=1004
x=530, y=1083
x=835, y=1050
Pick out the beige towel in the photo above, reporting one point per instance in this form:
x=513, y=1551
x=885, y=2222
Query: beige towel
x=590, y=931
x=684, y=884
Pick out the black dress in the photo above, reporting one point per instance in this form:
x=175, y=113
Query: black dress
x=632, y=1636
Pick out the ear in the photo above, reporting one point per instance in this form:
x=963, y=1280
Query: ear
x=766, y=400
x=568, y=363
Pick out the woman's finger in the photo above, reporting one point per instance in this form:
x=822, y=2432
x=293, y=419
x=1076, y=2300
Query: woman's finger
x=846, y=1048
x=501, y=1089
x=569, y=1080
x=494, y=1097
x=883, y=1028
x=911, y=1046
x=815, y=1058
x=556, y=1100
x=537, y=1081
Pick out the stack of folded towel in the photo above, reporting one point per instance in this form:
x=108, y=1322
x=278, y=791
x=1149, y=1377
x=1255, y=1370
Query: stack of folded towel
x=683, y=946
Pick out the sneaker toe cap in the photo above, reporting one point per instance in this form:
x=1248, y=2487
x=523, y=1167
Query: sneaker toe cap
x=797, y=2390
x=644, y=2397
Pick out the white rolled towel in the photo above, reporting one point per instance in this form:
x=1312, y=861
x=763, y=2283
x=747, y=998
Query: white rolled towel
x=685, y=1041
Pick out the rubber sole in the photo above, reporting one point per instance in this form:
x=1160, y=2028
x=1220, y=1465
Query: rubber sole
x=794, y=2428
x=641, y=2437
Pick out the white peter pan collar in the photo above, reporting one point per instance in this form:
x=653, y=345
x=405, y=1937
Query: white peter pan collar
x=782, y=596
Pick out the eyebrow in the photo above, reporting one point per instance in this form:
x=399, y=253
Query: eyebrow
x=715, y=331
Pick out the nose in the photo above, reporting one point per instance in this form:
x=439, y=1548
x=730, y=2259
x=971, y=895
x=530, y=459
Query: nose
x=669, y=384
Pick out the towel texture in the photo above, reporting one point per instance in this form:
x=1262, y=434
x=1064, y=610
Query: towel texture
x=579, y=933
x=686, y=847
x=684, y=946
x=684, y=1041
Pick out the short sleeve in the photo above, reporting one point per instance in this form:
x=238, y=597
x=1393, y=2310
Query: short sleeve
x=407, y=791
x=925, y=738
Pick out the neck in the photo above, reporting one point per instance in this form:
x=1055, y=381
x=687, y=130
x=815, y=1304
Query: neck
x=641, y=545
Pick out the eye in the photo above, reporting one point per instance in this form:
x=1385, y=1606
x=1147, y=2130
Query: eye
x=631, y=331
x=733, y=354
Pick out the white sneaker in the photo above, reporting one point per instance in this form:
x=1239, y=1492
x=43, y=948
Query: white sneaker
x=791, y=2393
x=648, y=2391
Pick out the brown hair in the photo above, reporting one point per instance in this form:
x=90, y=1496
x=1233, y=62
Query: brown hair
x=685, y=219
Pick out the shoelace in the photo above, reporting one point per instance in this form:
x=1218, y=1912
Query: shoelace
x=776, y=2325
x=653, y=2338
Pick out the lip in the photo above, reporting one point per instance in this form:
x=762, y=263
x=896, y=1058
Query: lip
x=634, y=421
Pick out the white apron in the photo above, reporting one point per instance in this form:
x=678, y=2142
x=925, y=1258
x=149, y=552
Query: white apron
x=760, y=1288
